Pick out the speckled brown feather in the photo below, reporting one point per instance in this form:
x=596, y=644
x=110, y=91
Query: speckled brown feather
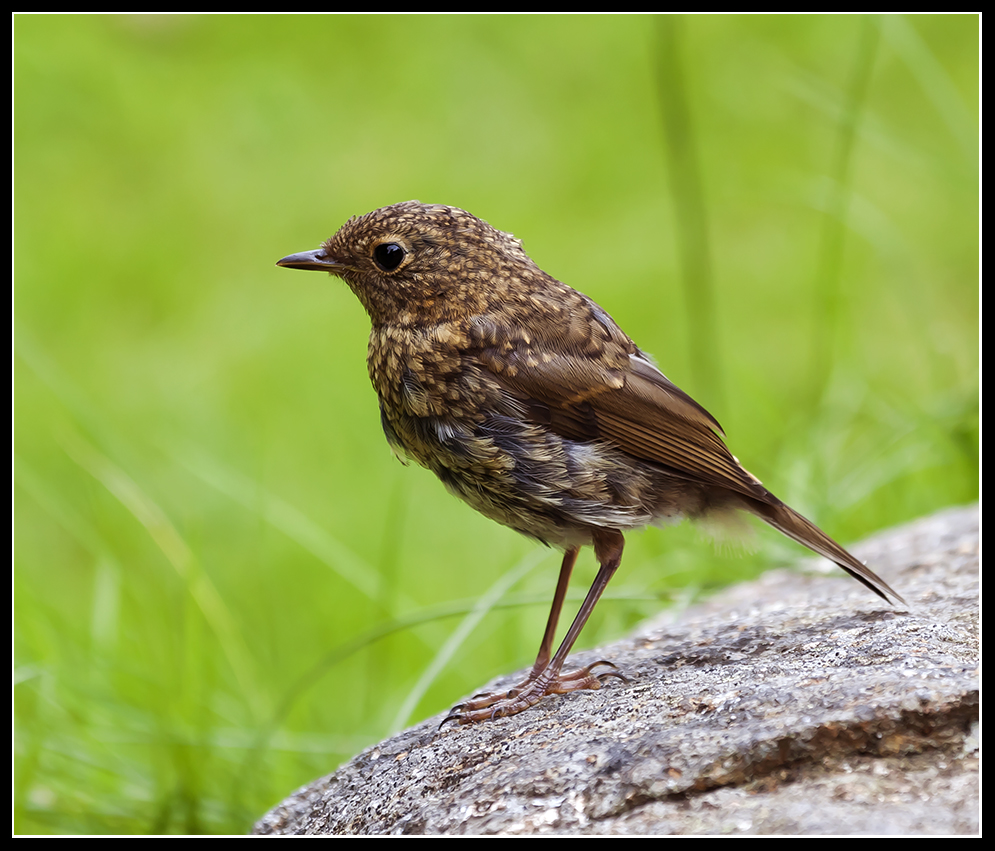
x=528, y=401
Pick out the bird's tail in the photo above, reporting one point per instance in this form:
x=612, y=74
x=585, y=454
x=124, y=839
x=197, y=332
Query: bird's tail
x=791, y=523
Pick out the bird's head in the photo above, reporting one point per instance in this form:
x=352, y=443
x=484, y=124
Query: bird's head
x=414, y=263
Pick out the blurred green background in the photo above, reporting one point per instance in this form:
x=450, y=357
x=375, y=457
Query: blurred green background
x=225, y=585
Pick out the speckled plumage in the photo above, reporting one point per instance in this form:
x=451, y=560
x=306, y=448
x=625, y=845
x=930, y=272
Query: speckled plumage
x=527, y=400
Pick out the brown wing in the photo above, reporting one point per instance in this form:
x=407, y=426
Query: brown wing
x=591, y=382
x=653, y=419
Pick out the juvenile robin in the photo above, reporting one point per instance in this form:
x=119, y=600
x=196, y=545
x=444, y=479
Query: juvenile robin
x=529, y=403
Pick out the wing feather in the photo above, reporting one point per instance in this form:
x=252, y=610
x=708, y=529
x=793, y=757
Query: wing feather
x=597, y=385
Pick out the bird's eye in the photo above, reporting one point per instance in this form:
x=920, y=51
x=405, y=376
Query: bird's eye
x=388, y=256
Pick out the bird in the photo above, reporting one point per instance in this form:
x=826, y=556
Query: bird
x=530, y=403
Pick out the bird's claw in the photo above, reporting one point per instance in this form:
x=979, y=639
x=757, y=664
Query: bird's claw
x=490, y=705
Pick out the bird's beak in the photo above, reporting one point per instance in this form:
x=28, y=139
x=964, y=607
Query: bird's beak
x=316, y=260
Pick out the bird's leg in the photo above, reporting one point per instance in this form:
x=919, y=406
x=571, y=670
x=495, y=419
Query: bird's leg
x=545, y=677
x=485, y=699
x=546, y=648
x=608, y=545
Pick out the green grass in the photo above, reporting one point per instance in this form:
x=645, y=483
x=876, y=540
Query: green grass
x=225, y=585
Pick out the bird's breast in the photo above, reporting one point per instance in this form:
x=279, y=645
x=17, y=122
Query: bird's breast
x=447, y=412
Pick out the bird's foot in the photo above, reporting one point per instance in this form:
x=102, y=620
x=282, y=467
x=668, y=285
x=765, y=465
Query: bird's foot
x=490, y=705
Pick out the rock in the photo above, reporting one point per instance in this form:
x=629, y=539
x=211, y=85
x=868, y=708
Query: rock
x=797, y=704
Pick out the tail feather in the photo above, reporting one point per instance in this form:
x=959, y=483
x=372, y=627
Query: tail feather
x=791, y=523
